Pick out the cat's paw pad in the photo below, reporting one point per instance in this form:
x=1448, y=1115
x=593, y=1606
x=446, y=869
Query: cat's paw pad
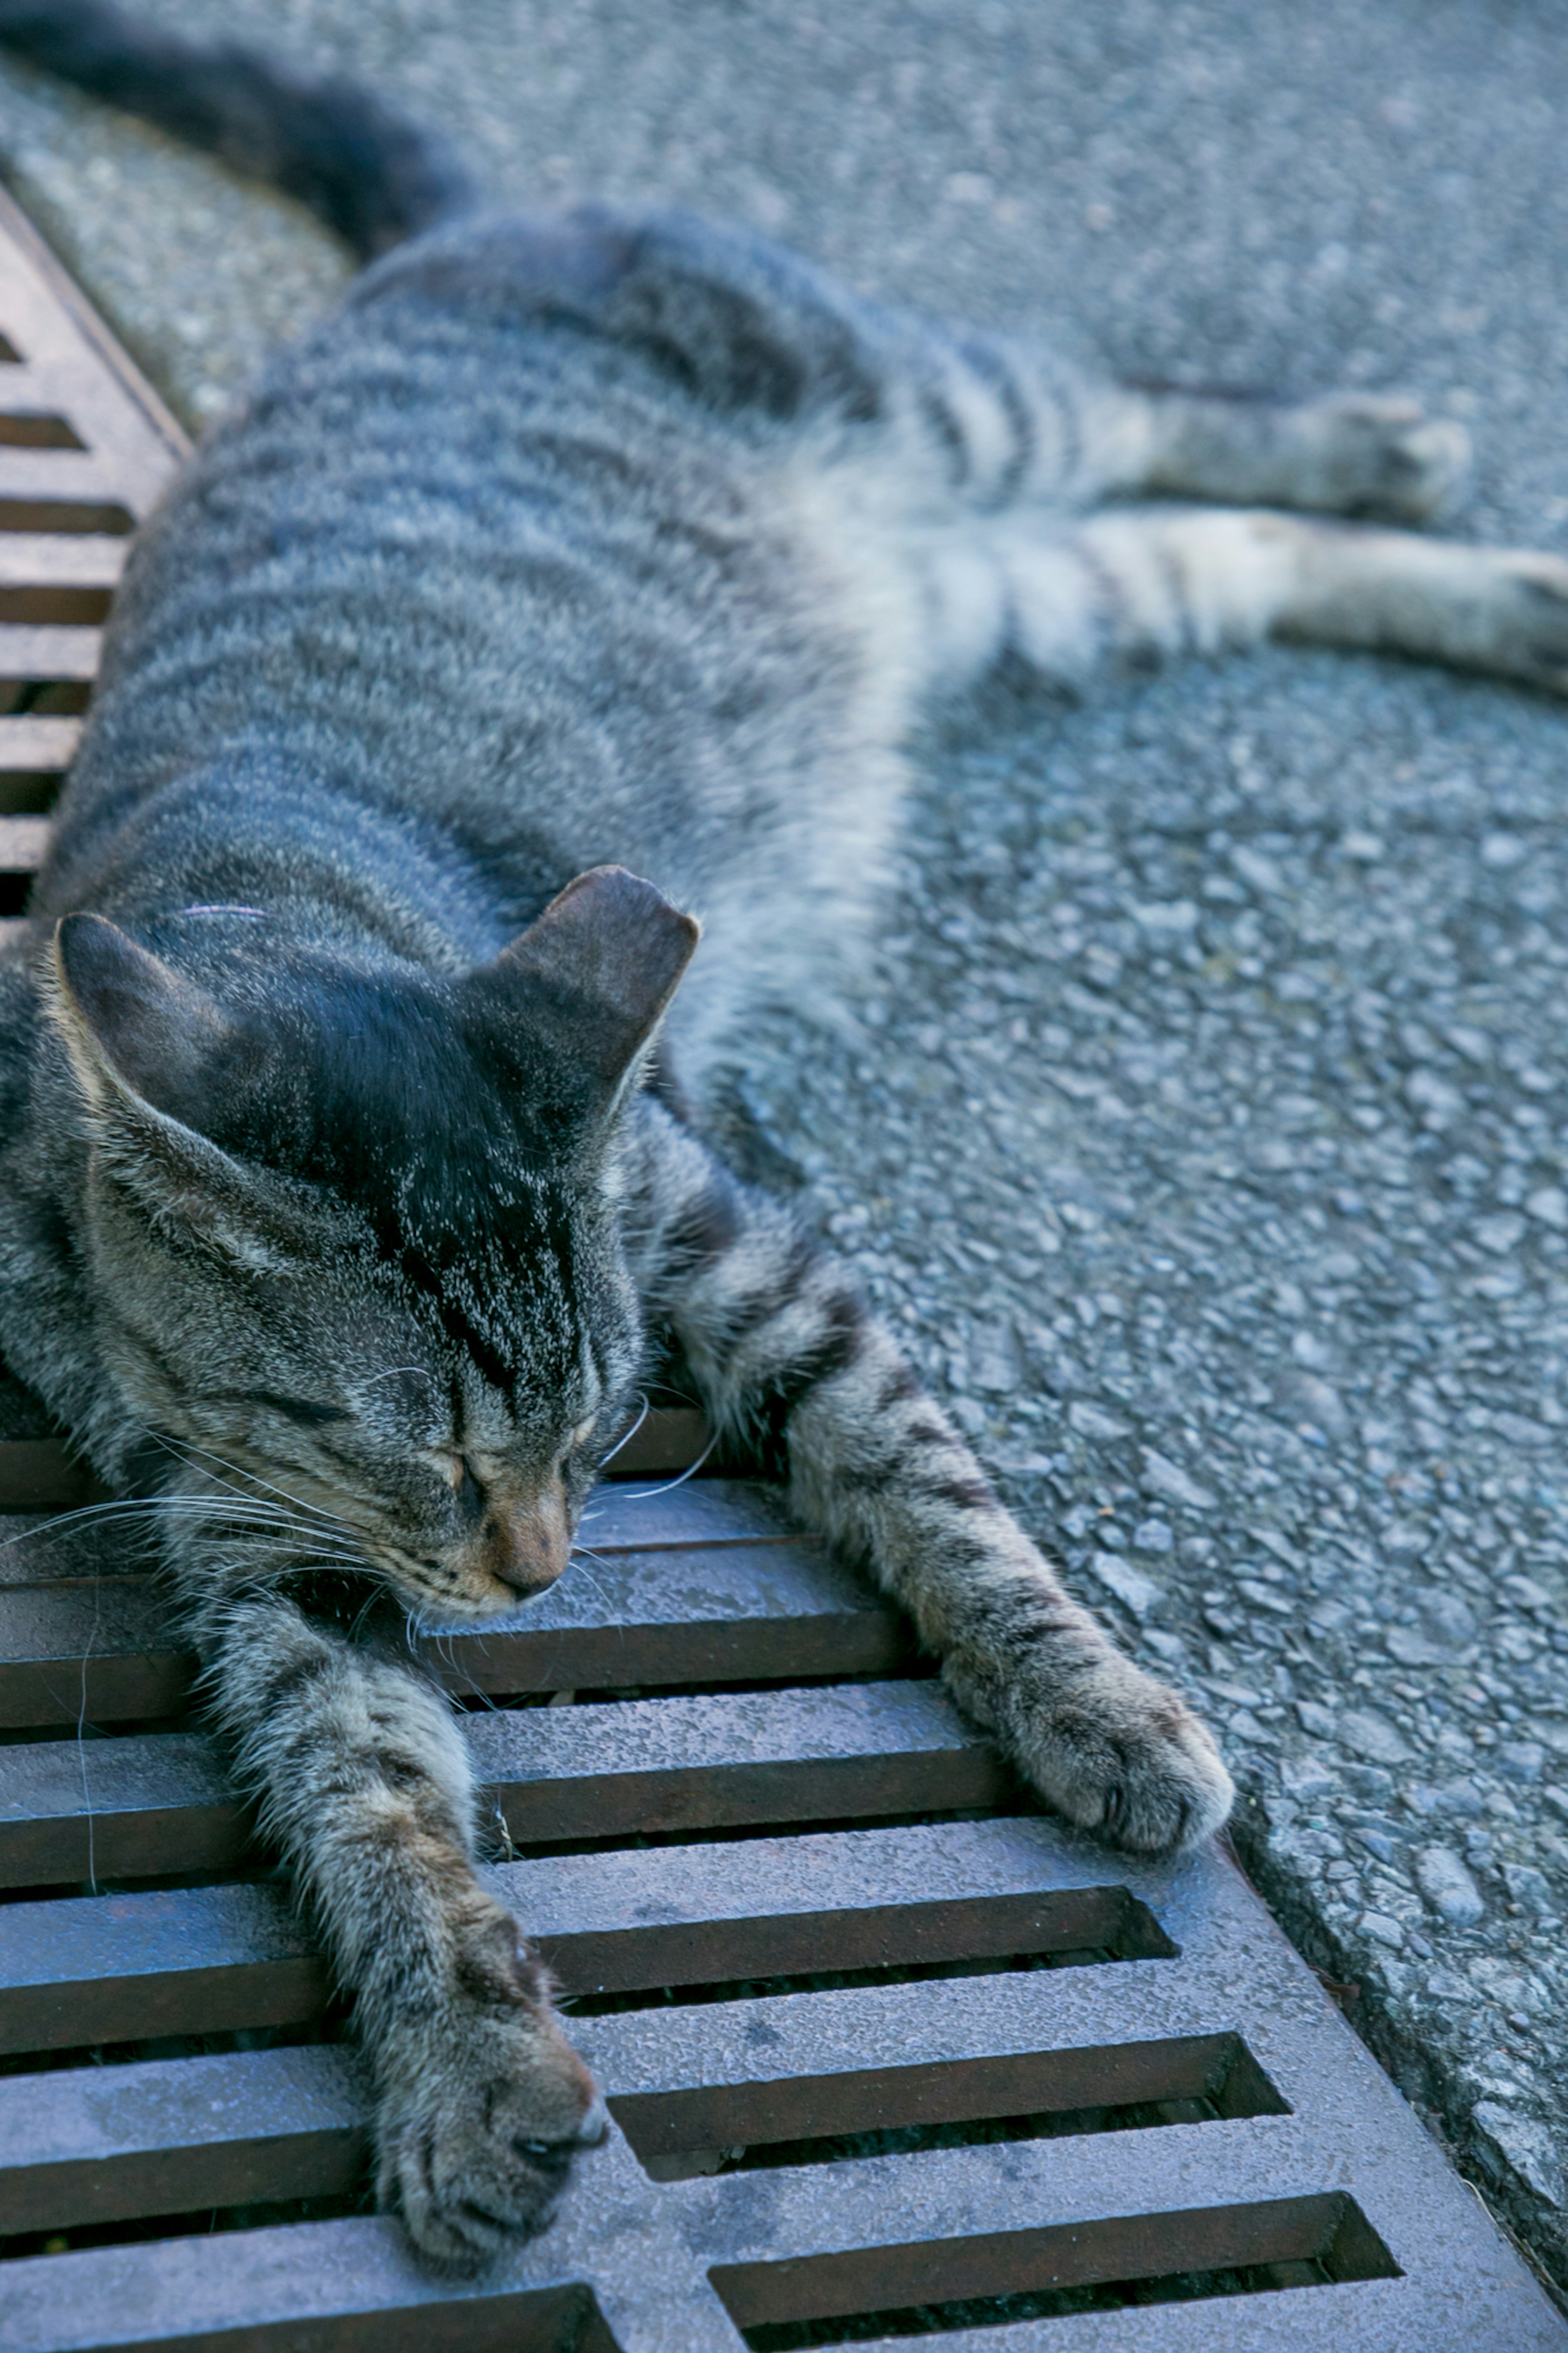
x=1384, y=456
x=483, y=2109
x=1122, y=1756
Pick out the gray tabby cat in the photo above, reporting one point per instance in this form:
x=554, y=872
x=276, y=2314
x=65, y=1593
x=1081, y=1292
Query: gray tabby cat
x=334, y=1213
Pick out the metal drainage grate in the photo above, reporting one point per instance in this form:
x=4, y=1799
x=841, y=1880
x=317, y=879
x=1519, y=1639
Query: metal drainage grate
x=85, y=449
x=889, y=2053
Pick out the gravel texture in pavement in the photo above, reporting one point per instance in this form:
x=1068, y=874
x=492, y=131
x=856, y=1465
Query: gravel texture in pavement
x=1205, y=1123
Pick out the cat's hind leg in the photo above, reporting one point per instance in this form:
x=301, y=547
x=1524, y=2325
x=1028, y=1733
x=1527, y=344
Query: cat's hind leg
x=1005, y=423
x=1352, y=453
x=790, y=1363
x=1141, y=583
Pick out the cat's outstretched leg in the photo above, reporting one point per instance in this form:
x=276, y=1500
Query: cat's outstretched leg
x=787, y=1358
x=361, y=1776
x=1353, y=453
x=995, y=423
x=1142, y=582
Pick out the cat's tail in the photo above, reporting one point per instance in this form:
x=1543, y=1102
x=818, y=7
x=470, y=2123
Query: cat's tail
x=368, y=173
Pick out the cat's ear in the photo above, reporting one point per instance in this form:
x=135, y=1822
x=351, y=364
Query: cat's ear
x=134, y=1027
x=140, y=1037
x=593, y=975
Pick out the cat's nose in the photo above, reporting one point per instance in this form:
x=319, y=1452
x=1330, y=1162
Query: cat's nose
x=527, y=1547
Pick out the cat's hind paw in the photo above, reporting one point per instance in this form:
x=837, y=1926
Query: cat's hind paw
x=1527, y=611
x=1364, y=454
x=1120, y=1755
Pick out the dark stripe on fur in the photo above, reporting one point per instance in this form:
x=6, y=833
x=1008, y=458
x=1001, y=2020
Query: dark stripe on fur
x=946, y=429
x=990, y=365
x=705, y=1229
x=964, y=1495
x=749, y=1315
x=834, y=1353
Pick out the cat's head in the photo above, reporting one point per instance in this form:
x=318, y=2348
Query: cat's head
x=353, y=1240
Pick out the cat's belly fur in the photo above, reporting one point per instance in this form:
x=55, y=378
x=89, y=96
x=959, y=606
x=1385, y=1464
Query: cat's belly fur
x=472, y=597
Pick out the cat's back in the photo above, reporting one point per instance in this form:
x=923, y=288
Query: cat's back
x=465, y=554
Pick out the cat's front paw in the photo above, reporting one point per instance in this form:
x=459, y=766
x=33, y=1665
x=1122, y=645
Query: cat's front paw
x=483, y=2105
x=1122, y=1756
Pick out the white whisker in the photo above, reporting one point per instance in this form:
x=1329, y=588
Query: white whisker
x=237, y=1471
x=630, y=1434
x=646, y=1494
x=83, y=1512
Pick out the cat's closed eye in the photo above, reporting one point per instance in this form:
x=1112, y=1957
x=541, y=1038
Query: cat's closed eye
x=470, y=1491
x=304, y=1410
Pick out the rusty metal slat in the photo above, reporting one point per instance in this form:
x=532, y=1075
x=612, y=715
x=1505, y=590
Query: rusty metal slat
x=732, y=1609
x=811, y=1635
x=351, y=2287
x=88, y=478
x=47, y=651
x=1054, y=2255
x=633, y=1918
x=23, y=841
x=44, y=559
x=73, y=1971
x=106, y=1646
x=928, y=1867
x=118, y=1969
x=78, y=2145
x=116, y=1809
x=801, y=1940
x=92, y=1653
x=230, y=1983
x=82, y=2144
x=805, y=2106
x=28, y=745
x=831, y=2038
x=753, y=1757
x=626, y=1516
x=126, y=1807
